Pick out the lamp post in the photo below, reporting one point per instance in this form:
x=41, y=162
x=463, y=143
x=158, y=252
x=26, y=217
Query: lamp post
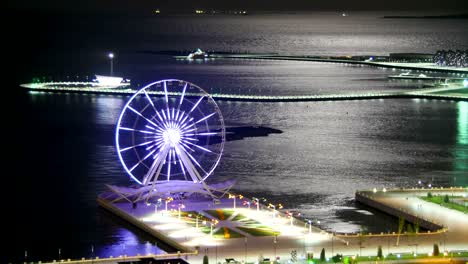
x=233, y=196
x=274, y=243
x=332, y=243
x=92, y=253
x=310, y=227
x=245, y=249
x=258, y=203
x=111, y=57
x=274, y=209
x=180, y=206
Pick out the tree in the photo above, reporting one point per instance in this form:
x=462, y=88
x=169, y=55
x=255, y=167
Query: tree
x=446, y=198
x=205, y=259
x=322, y=255
x=429, y=195
x=379, y=252
x=435, y=252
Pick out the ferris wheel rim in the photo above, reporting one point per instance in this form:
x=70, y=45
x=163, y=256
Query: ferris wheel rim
x=139, y=92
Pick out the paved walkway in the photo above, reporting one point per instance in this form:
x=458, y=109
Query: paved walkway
x=297, y=237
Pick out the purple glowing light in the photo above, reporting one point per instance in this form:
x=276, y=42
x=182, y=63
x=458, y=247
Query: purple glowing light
x=164, y=131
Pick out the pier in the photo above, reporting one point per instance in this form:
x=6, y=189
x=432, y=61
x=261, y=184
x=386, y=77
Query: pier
x=429, y=67
x=444, y=93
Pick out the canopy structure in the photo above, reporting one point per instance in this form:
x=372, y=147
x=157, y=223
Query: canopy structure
x=163, y=189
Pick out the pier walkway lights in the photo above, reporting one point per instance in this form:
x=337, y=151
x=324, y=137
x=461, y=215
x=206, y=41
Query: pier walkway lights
x=111, y=57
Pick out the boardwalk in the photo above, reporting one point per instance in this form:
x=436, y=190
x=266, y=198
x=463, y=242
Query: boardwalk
x=414, y=93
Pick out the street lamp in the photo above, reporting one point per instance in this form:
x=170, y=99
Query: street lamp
x=168, y=200
x=274, y=209
x=274, y=243
x=257, y=202
x=310, y=227
x=180, y=206
x=233, y=196
x=111, y=57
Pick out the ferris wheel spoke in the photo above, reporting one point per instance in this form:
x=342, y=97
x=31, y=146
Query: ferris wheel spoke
x=191, y=169
x=165, y=92
x=185, y=147
x=149, y=99
x=164, y=116
x=169, y=165
x=188, y=138
x=200, y=147
x=182, y=97
x=141, y=161
x=182, y=114
x=159, y=159
x=144, y=117
x=203, y=134
x=137, y=130
x=139, y=145
x=168, y=114
x=204, y=118
x=196, y=104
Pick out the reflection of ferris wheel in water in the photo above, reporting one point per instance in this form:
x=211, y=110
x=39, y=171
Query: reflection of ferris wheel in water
x=170, y=130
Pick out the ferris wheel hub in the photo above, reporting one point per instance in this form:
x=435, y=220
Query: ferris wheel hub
x=171, y=136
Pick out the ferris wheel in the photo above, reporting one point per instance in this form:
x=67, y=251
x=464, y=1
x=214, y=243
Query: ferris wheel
x=170, y=130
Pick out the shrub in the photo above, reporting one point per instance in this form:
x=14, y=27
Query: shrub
x=429, y=195
x=337, y=258
x=446, y=198
x=205, y=259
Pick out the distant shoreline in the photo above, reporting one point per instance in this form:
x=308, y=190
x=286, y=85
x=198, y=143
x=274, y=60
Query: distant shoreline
x=455, y=16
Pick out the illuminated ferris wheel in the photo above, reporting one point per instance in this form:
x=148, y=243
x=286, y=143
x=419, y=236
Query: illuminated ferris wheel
x=170, y=130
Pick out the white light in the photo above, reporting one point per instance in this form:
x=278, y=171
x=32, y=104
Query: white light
x=111, y=55
x=171, y=136
x=465, y=83
x=108, y=80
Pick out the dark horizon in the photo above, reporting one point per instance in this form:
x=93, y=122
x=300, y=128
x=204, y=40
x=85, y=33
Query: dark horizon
x=184, y=6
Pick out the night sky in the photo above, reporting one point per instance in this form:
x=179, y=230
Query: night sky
x=144, y=6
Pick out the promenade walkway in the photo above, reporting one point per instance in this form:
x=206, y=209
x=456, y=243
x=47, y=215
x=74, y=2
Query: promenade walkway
x=397, y=65
x=407, y=201
x=431, y=93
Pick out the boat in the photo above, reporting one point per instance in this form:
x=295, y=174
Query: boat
x=409, y=75
x=197, y=55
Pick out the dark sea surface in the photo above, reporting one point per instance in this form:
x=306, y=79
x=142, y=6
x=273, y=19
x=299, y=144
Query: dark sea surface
x=65, y=150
